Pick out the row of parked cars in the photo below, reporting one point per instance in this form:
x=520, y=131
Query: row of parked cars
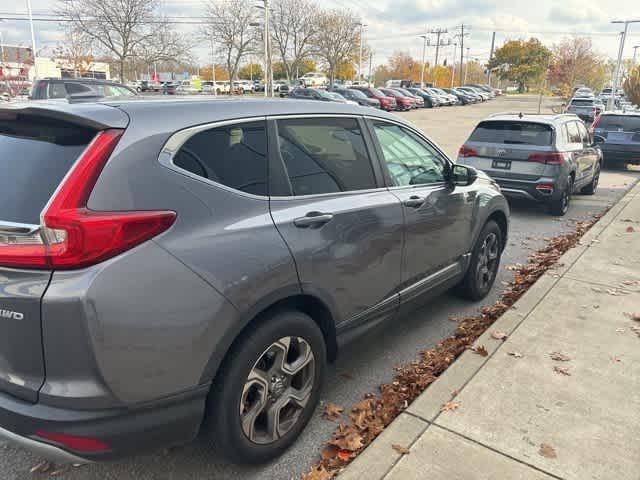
x=396, y=98
x=588, y=105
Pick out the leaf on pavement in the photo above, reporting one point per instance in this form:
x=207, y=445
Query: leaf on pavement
x=400, y=449
x=562, y=370
x=633, y=316
x=449, y=406
x=515, y=354
x=630, y=229
x=332, y=411
x=318, y=473
x=547, y=451
x=480, y=350
x=559, y=357
x=60, y=471
x=42, y=467
x=498, y=335
x=329, y=451
x=349, y=440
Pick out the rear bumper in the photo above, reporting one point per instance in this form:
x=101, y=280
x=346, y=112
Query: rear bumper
x=528, y=190
x=125, y=431
x=620, y=155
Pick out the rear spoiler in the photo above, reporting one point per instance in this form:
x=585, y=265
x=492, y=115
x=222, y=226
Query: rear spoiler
x=91, y=115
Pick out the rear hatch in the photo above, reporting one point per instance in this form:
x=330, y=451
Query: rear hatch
x=35, y=155
x=620, y=131
x=583, y=107
x=509, y=149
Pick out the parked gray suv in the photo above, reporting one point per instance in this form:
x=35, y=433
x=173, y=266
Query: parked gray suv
x=176, y=266
x=537, y=157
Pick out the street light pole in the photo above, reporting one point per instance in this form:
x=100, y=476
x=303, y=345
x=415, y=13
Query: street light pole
x=635, y=50
x=213, y=69
x=453, y=69
x=424, y=48
x=616, y=77
x=466, y=69
x=362, y=25
x=33, y=41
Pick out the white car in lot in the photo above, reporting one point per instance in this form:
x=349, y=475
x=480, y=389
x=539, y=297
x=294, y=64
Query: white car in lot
x=245, y=85
x=314, y=79
x=209, y=86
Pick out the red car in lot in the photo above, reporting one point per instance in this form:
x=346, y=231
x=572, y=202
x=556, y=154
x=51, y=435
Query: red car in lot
x=404, y=102
x=387, y=102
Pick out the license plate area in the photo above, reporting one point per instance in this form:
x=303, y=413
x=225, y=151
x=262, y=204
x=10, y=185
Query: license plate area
x=501, y=164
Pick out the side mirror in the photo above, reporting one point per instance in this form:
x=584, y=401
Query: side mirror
x=463, y=175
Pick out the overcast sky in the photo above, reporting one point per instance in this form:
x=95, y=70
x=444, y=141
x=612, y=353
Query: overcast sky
x=394, y=25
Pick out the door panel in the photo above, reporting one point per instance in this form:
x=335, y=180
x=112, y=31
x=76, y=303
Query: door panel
x=438, y=217
x=344, y=230
x=588, y=155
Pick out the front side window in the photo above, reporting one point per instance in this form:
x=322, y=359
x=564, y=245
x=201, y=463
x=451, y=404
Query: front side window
x=584, y=134
x=410, y=160
x=324, y=155
x=233, y=155
x=573, y=133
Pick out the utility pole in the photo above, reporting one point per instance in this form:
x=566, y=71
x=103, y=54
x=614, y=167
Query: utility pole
x=33, y=41
x=213, y=69
x=466, y=67
x=437, y=32
x=424, y=48
x=635, y=49
x=453, y=70
x=362, y=25
x=493, y=43
x=369, y=82
x=616, y=77
x=462, y=35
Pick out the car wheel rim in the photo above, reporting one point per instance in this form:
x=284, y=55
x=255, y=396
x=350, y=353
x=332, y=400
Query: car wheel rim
x=487, y=261
x=277, y=390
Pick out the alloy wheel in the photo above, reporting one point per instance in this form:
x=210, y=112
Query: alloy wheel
x=277, y=390
x=487, y=261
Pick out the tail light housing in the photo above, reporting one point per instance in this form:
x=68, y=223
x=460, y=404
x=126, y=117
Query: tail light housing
x=73, y=442
x=466, y=151
x=548, y=158
x=71, y=235
x=546, y=188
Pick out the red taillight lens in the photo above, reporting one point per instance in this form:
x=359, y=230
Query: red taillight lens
x=72, y=236
x=73, y=442
x=467, y=152
x=551, y=158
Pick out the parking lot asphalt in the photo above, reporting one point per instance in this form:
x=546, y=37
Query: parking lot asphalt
x=369, y=360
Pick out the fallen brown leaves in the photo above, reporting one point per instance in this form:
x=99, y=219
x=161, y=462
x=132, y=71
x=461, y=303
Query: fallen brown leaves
x=318, y=473
x=633, y=316
x=449, y=406
x=515, y=354
x=332, y=411
x=562, y=371
x=480, y=350
x=370, y=416
x=559, y=357
x=498, y=335
x=547, y=451
x=42, y=467
x=630, y=229
x=400, y=449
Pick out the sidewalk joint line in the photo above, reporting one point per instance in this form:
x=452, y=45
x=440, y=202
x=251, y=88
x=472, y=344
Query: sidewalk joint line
x=411, y=444
x=599, y=284
x=495, y=450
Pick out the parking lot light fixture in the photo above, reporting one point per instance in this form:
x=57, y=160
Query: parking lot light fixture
x=424, y=48
x=616, y=77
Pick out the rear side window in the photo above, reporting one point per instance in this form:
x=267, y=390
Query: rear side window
x=325, y=155
x=616, y=123
x=35, y=155
x=573, y=133
x=582, y=103
x=57, y=90
x=513, y=133
x=234, y=156
x=73, y=88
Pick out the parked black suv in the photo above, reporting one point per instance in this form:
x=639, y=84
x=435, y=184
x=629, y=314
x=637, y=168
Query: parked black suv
x=47, y=88
x=182, y=265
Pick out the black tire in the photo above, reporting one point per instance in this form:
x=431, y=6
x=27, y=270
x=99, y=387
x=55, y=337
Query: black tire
x=593, y=185
x=560, y=206
x=472, y=287
x=223, y=423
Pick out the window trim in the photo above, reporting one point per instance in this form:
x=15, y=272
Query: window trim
x=377, y=173
x=177, y=140
x=380, y=155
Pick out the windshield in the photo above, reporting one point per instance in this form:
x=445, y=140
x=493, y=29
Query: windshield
x=513, y=133
x=391, y=93
x=585, y=102
x=625, y=123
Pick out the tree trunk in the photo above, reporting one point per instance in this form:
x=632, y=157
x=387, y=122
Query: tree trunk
x=121, y=70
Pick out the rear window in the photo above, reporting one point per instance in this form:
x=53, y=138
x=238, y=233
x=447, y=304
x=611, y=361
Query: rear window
x=625, y=123
x=513, y=133
x=582, y=103
x=35, y=155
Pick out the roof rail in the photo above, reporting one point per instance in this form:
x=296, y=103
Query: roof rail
x=528, y=114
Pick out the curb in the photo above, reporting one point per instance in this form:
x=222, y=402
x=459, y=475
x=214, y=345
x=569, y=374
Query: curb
x=377, y=460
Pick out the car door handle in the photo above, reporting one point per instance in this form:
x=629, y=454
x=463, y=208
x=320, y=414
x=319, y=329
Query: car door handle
x=414, y=202
x=313, y=220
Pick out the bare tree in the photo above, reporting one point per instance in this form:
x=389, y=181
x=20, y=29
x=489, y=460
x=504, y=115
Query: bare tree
x=118, y=27
x=229, y=26
x=75, y=50
x=337, y=39
x=294, y=24
x=164, y=45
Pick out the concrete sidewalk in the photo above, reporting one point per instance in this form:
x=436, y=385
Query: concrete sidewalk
x=530, y=416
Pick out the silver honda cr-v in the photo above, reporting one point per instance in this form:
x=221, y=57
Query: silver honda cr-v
x=176, y=266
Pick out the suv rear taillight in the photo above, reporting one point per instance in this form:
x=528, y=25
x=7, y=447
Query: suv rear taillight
x=72, y=236
x=551, y=158
x=467, y=152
